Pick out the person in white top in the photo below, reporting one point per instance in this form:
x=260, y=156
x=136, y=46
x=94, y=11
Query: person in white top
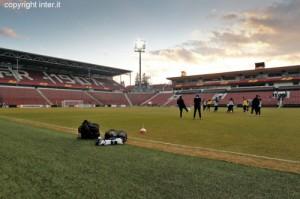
x=230, y=106
x=216, y=104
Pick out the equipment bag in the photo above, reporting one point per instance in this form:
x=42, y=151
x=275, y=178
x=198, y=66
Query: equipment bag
x=113, y=134
x=88, y=130
x=115, y=141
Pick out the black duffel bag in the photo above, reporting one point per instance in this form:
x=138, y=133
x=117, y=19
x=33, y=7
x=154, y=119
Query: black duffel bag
x=88, y=130
x=113, y=134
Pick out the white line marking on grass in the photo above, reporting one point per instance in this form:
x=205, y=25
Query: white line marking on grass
x=215, y=150
x=74, y=130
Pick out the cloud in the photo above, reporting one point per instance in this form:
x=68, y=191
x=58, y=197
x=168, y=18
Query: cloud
x=273, y=31
x=176, y=54
x=8, y=32
x=230, y=16
x=278, y=26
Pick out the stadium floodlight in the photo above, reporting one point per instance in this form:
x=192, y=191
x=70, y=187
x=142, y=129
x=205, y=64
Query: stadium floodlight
x=140, y=47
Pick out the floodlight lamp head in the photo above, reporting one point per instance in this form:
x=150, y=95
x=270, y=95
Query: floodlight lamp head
x=140, y=46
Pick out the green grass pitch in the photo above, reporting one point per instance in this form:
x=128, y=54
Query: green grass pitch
x=274, y=134
x=41, y=163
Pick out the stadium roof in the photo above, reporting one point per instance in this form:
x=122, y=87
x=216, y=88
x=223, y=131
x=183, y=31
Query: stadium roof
x=237, y=73
x=33, y=61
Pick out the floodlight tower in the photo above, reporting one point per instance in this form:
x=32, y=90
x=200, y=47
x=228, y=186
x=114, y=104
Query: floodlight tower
x=140, y=46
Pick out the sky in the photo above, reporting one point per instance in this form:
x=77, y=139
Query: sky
x=196, y=36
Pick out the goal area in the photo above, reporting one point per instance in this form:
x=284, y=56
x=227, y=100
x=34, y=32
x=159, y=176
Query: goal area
x=75, y=103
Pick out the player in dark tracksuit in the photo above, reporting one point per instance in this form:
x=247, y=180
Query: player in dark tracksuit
x=197, y=106
x=255, y=104
x=181, y=105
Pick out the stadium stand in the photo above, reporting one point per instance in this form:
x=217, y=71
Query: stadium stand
x=54, y=80
x=32, y=79
x=110, y=98
x=139, y=98
x=57, y=96
x=159, y=99
x=293, y=99
x=260, y=81
x=14, y=96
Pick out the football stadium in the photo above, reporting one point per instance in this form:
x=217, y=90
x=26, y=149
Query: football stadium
x=148, y=141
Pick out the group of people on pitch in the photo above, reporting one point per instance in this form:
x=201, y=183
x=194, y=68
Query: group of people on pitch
x=209, y=103
x=197, y=106
x=256, y=105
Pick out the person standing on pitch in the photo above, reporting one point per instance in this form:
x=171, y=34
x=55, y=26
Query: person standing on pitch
x=216, y=104
x=255, y=104
x=204, y=105
x=245, y=104
x=181, y=105
x=230, y=106
x=197, y=106
x=257, y=111
x=208, y=104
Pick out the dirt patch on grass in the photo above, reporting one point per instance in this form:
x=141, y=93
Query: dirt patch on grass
x=261, y=162
x=233, y=157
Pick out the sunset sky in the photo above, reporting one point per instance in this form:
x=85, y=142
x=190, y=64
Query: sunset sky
x=198, y=36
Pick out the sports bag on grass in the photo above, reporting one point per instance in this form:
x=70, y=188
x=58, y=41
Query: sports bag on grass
x=88, y=130
x=113, y=134
x=112, y=137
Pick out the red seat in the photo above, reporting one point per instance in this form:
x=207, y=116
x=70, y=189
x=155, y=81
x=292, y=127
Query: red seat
x=21, y=96
x=110, y=98
x=56, y=96
x=139, y=98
